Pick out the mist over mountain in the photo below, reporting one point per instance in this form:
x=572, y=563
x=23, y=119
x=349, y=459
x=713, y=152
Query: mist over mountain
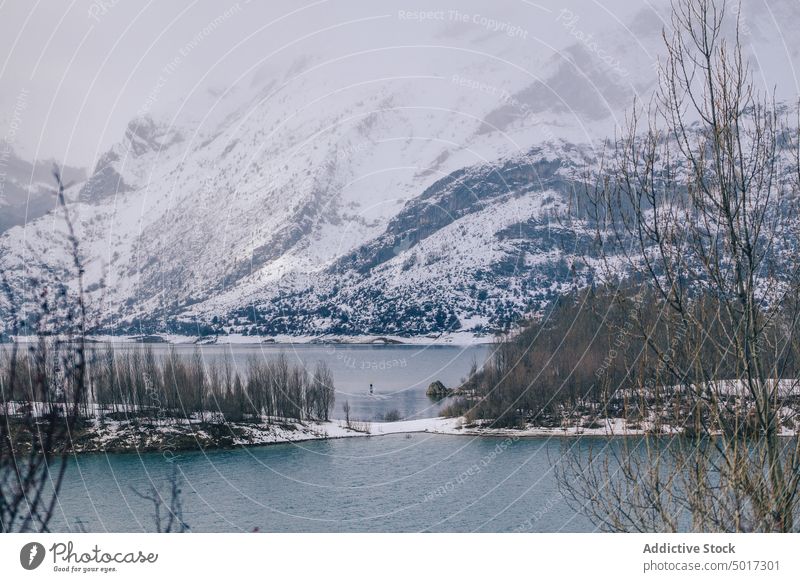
x=26, y=189
x=402, y=176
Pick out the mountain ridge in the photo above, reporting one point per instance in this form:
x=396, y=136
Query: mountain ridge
x=400, y=197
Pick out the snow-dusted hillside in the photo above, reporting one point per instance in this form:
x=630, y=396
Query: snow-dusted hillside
x=341, y=188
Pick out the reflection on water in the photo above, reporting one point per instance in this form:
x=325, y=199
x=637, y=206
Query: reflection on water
x=399, y=374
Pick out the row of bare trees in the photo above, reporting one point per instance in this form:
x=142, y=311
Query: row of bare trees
x=141, y=383
x=551, y=367
x=588, y=360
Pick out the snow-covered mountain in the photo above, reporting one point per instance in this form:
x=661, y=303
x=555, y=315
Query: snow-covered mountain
x=409, y=189
x=26, y=189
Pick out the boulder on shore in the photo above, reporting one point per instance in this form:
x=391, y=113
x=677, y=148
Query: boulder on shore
x=437, y=390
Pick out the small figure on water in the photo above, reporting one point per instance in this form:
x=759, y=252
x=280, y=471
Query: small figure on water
x=370, y=390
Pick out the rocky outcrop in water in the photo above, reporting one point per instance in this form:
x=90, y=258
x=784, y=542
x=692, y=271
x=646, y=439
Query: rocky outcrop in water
x=437, y=390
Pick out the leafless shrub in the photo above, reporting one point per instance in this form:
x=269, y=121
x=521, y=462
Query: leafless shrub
x=701, y=206
x=167, y=509
x=392, y=415
x=47, y=384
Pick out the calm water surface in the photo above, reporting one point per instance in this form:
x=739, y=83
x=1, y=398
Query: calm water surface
x=417, y=482
x=372, y=484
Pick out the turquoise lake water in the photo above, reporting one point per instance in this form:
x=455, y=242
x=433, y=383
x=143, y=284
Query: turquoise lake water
x=394, y=483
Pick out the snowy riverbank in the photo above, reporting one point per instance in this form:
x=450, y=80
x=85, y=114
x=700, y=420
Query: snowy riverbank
x=445, y=339
x=171, y=436
x=180, y=434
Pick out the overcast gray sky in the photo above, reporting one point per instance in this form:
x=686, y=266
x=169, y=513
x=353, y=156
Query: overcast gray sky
x=73, y=74
x=80, y=70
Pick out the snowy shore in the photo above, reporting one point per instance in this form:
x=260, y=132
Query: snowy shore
x=446, y=339
x=117, y=436
x=174, y=435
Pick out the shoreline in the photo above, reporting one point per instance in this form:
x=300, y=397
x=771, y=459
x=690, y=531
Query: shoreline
x=123, y=437
x=123, y=434
x=457, y=339
x=131, y=436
